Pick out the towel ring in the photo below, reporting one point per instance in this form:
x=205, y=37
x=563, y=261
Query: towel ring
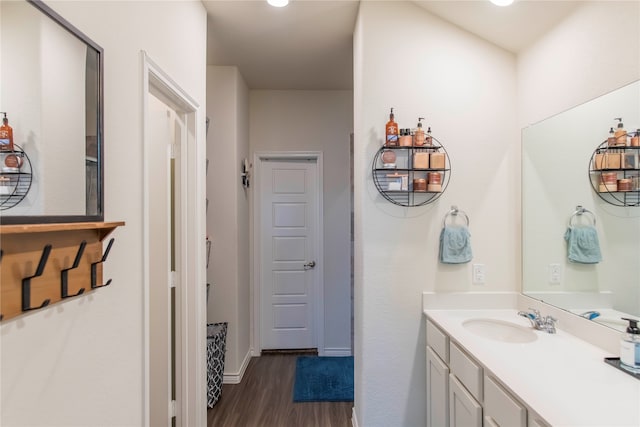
x=454, y=212
x=580, y=211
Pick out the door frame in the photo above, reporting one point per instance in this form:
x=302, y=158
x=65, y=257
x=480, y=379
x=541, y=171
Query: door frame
x=192, y=310
x=318, y=297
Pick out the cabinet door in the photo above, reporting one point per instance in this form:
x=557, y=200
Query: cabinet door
x=437, y=391
x=502, y=408
x=464, y=410
x=533, y=420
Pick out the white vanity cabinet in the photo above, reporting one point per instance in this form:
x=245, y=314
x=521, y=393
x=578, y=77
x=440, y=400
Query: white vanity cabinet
x=461, y=393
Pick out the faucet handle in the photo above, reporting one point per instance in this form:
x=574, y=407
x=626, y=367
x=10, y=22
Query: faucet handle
x=535, y=312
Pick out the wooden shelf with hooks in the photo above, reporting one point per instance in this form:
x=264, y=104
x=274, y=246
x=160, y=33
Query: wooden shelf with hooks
x=25, y=254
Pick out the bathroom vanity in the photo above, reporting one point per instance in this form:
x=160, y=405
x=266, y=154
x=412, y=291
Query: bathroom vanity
x=491, y=368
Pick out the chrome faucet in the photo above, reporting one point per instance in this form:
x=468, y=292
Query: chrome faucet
x=546, y=323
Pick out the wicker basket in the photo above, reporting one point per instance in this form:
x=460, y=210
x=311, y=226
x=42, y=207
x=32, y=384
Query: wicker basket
x=216, y=347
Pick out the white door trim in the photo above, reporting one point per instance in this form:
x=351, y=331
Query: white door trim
x=193, y=410
x=258, y=158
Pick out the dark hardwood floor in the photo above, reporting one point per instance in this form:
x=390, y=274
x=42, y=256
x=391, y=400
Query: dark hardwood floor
x=265, y=399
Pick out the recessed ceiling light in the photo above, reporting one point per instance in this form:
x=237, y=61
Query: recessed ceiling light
x=278, y=3
x=502, y=2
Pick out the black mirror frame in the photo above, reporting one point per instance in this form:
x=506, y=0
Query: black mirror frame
x=33, y=219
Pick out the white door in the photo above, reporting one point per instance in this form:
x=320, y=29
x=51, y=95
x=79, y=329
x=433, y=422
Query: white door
x=289, y=282
x=165, y=131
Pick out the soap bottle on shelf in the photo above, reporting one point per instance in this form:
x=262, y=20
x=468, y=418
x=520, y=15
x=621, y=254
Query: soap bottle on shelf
x=418, y=136
x=620, y=134
x=429, y=139
x=391, y=132
x=6, y=135
x=611, y=140
x=630, y=347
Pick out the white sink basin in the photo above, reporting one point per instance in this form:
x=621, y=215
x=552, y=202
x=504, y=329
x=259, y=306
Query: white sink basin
x=500, y=330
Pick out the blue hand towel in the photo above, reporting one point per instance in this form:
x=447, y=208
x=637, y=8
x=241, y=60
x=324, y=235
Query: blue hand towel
x=583, y=245
x=455, y=245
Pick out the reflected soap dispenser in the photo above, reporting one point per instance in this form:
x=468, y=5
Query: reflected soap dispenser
x=620, y=133
x=418, y=136
x=630, y=347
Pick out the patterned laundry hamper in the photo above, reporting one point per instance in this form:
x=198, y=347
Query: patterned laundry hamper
x=216, y=346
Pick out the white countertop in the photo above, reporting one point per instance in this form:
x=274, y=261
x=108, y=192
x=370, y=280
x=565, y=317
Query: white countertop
x=560, y=377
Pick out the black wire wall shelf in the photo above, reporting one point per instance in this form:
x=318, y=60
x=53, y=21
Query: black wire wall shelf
x=622, y=163
x=402, y=183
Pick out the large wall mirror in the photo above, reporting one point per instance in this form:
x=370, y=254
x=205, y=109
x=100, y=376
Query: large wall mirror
x=51, y=91
x=555, y=180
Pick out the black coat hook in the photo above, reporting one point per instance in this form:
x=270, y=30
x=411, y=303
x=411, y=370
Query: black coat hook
x=26, y=282
x=94, y=274
x=65, y=272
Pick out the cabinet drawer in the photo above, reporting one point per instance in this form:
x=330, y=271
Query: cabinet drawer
x=438, y=341
x=467, y=370
x=501, y=408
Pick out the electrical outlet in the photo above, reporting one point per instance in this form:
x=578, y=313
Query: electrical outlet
x=478, y=274
x=555, y=273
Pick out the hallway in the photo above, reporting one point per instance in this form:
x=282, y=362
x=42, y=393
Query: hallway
x=265, y=399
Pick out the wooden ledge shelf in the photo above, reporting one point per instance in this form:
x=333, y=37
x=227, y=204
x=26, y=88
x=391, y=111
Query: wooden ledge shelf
x=103, y=228
x=42, y=264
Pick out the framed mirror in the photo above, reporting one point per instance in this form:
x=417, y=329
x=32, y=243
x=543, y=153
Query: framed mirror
x=51, y=81
x=556, y=155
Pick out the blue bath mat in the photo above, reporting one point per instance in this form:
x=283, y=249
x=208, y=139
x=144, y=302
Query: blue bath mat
x=323, y=379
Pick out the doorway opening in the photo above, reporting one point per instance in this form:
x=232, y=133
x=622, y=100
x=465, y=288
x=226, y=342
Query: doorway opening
x=174, y=279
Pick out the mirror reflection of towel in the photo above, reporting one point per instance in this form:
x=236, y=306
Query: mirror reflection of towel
x=455, y=245
x=583, y=245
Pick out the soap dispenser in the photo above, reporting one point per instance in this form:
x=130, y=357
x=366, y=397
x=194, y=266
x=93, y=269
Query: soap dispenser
x=630, y=347
x=418, y=136
x=620, y=134
x=611, y=140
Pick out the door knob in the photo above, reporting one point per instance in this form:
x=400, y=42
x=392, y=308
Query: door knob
x=309, y=265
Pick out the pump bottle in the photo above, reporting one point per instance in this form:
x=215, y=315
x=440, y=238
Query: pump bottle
x=620, y=134
x=630, y=347
x=418, y=136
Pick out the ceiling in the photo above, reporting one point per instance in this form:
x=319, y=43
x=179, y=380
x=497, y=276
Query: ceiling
x=308, y=44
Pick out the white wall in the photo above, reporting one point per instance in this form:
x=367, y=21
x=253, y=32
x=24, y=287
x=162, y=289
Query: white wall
x=466, y=88
x=80, y=363
x=593, y=51
x=317, y=121
x=228, y=213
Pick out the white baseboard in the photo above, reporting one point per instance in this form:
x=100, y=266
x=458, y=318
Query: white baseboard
x=354, y=418
x=337, y=352
x=236, y=378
